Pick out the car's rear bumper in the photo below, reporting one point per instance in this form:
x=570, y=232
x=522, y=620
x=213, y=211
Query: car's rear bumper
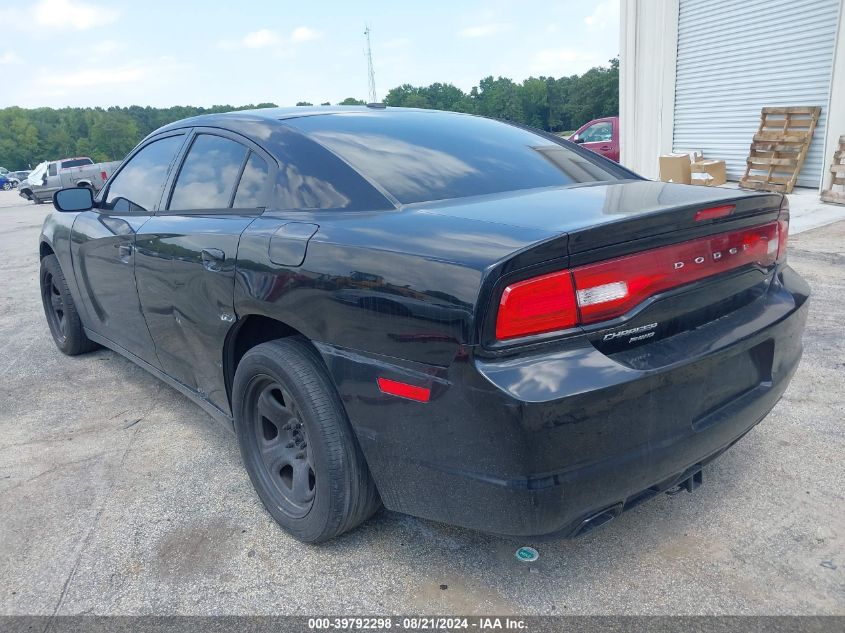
x=537, y=444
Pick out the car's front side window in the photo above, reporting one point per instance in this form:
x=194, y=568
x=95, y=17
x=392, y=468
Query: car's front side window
x=209, y=174
x=598, y=133
x=137, y=187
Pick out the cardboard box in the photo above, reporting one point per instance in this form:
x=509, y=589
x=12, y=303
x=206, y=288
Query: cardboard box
x=694, y=154
x=675, y=168
x=710, y=173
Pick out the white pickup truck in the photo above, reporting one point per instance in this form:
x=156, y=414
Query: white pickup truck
x=50, y=176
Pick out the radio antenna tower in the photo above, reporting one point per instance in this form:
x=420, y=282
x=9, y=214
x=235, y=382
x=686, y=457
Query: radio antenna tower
x=370, y=72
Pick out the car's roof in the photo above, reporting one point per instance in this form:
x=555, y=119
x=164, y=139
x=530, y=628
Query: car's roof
x=408, y=154
x=298, y=111
x=277, y=115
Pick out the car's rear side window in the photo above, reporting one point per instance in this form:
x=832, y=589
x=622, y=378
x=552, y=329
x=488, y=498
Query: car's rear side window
x=253, y=183
x=422, y=156
x=310, y=177
x=208, y=176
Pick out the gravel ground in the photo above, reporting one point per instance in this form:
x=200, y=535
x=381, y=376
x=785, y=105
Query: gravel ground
x=119, y=496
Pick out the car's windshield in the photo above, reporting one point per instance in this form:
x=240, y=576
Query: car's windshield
x=422, y=156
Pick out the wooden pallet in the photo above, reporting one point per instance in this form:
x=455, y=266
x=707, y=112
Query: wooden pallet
x=779, y=148
x=837, y=176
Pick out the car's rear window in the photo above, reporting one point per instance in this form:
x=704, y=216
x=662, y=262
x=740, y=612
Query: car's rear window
x=423, y=156
x=76, y=162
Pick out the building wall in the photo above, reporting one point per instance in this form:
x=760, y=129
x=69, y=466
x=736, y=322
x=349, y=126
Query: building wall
x=836, y=112
x=648, y=54
x=648, y=50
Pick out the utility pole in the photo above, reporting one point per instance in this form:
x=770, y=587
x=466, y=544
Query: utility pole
x=371, y=73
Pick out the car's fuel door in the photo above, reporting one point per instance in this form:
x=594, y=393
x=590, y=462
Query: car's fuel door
x=289, y=243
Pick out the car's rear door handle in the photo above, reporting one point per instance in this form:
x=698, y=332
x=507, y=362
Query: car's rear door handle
x=605, y=148
x=212, y=259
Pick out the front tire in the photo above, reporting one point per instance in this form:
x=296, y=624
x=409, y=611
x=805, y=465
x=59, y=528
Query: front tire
x=7, y=186
x=60, y=310
x=297, y=444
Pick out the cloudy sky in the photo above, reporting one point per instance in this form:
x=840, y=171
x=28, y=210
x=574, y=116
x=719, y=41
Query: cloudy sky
x=151, y=52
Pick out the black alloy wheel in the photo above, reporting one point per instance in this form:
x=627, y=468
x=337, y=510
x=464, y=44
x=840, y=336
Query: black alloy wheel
x=60, y=310
x=282, y=442
x=54, y=305
x=297, y=444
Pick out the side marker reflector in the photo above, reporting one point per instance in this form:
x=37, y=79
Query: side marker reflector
x=404, y=390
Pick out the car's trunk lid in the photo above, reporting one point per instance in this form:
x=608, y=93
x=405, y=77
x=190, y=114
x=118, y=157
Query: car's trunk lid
x=603, y=214
x=649, y=222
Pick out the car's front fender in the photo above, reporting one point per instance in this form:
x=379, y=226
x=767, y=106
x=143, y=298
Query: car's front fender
x=55, y=238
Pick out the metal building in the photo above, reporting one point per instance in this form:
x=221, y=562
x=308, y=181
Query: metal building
x=694, y=76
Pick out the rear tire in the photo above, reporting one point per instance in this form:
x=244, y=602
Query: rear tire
x=60, y=310
x=297, y=444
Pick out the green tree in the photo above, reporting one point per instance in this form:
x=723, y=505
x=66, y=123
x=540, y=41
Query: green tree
x=535, y=102
x=60, y=142
x=113, y=136
x=28, y=137
x=499, y=98
x=397, y=97
x=594, y=94
x=19, y=139
x=443, y=96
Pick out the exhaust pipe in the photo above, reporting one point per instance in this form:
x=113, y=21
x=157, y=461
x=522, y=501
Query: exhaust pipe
x=598, y=519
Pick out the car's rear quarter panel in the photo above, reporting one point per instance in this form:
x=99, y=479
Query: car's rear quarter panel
x=403, y=284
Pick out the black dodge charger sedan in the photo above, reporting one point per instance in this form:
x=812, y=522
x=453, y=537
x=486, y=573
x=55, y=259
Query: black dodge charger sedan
x=463, y=319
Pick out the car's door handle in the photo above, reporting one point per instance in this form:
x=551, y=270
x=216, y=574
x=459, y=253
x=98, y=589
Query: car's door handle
x=212, y=259
x=124, y=251
x=605, y=148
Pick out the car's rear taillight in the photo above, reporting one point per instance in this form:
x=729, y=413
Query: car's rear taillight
x=650, y=272
x=606, y=290
x=534, y=306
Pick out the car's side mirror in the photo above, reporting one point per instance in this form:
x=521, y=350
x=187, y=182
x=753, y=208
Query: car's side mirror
x=73, y=199
x=577, y=139
x=44, y=178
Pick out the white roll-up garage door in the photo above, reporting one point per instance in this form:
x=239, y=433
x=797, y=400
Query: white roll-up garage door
x=736, y=57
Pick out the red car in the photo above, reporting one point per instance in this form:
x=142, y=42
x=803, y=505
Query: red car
x=600, y=136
